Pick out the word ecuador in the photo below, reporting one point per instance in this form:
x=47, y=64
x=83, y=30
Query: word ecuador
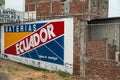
x=38, y=38
x=35, y=39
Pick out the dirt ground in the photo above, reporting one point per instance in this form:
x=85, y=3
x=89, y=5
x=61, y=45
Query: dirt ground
x=13, y=71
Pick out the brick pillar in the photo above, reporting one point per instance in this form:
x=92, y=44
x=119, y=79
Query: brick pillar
x=79, y=47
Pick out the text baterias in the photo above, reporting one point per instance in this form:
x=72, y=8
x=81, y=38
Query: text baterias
x=21, y=28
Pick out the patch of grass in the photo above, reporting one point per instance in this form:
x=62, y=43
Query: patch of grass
x=16, y=69
x=32, y=67
x=63, y=74
x=9, y=69
x=0, y=63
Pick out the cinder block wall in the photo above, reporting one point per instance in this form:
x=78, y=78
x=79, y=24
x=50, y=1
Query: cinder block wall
x=108, y=31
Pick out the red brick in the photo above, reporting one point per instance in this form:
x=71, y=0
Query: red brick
x=76, y=7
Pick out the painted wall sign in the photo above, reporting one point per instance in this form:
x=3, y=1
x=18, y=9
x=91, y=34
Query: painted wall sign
x=48, y=42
